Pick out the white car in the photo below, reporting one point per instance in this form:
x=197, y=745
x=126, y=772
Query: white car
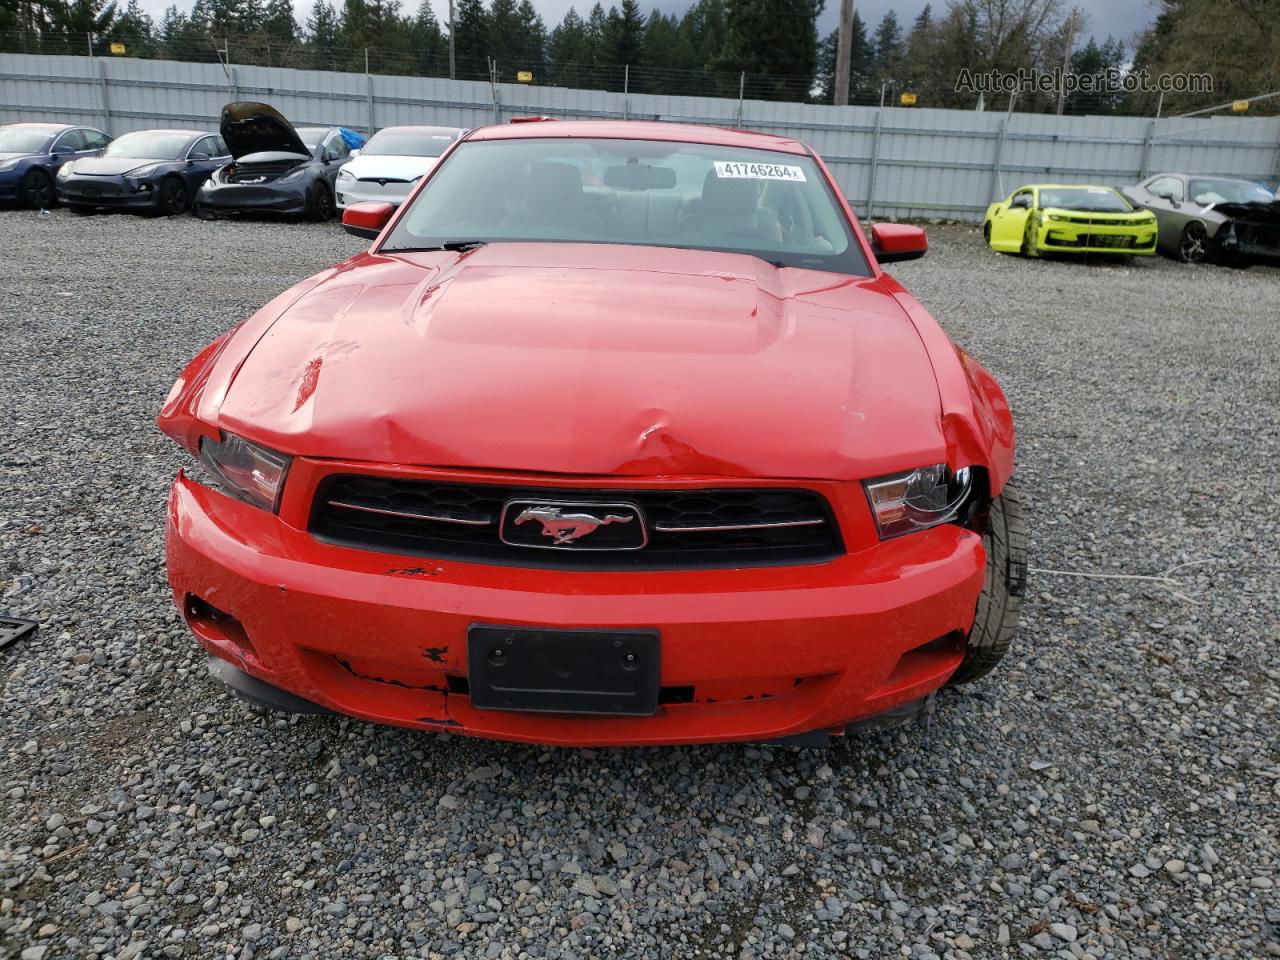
x=394, y=159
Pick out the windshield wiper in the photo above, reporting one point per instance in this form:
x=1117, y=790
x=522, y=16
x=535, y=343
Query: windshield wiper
x=458, y=246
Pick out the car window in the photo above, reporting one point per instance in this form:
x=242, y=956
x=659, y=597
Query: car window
x=335, y=148
x=206, y=145
x=95, y=139
x=150, y=145
x=16, y=138
x=1166, y=186
x=1023, y=198
x=409, y=142
x=1092, y=199
x=777, y=206
x=71, y=140
x=1205, y=192
x=220, y=148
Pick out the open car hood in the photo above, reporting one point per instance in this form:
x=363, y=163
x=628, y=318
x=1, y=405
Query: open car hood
x=249, y=127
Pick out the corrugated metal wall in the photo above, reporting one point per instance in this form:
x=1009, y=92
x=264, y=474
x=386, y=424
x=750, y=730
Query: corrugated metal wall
x=910, y=162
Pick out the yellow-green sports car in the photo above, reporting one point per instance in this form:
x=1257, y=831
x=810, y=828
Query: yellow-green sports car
x=1068, y=218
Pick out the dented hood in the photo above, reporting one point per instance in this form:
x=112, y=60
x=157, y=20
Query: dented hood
x=249, y=127
x=591, y=359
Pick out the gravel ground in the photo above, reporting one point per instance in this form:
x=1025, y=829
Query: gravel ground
x=1113, y=790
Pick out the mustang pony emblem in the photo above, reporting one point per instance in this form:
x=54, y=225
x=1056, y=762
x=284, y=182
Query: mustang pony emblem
x=567, y=527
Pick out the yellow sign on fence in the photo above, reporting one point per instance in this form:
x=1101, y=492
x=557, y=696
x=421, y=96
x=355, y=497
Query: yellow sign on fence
x=525, y=76
x=1240, y=106
x=117, y=48
x=908, y=99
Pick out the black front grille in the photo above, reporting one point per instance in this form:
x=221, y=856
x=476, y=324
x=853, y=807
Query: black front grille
x=685, y=528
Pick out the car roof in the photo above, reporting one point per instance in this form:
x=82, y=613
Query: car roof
x=640, y=130
x=1065, y=186
x=422, y=129
x=185, y=133
x=44, y=126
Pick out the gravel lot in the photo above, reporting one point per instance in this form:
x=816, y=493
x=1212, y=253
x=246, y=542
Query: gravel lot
x=1113, y=790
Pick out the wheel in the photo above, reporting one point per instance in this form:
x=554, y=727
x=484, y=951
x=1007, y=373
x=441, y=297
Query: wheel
x=999, y=603
x=1029, y=239
x=986, y=232
x=37, y=190
x=171, y=198
x=321, y=203
x=204, y=212
x=1194, y=245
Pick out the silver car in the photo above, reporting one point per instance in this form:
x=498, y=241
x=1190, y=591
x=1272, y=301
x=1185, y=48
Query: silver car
x=1211, y=218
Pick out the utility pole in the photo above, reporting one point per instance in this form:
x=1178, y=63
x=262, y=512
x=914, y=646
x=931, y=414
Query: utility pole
x=1066, y=61
x=844, y=44
x=452, y=69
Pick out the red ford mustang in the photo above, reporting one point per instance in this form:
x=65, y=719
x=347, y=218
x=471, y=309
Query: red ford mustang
x=617, y=434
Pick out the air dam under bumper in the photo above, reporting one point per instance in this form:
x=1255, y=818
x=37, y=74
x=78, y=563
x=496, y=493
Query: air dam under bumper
x=748, y=654
x=247, y=198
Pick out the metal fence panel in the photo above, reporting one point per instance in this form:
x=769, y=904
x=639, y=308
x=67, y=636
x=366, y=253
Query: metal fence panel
x=895, y=161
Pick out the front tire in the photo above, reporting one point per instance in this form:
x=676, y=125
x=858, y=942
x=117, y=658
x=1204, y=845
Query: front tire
x=1000, y=602
x=1029, y=239
x=1193, y=246
x=320, y=204
x=171, y=199
x=986, y=232
x=37, y=190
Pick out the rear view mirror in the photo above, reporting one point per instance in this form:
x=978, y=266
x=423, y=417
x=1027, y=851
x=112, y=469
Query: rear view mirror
x=639, y=176
x=893, y=242
x=366, y=219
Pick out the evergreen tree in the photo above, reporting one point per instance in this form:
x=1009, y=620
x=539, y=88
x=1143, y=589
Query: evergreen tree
x=776, y=39
x=863, y=84
x=504, y=42
x=624, y=35
x=278, y=22
x=888, y=49
x=533, y=37
x=470, y=46
x=324, y=35
x=565, y=49
x=136, y=30
x=428, y=43
x=81, y=17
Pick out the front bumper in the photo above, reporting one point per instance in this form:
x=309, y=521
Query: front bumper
x=106, y=192
x=11, y=184
x=360, y=191
x=1055, y=236
x=268, y=197
x=746, y=654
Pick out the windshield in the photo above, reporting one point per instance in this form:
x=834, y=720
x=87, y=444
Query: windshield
x=776, y=206
x=1096, y=199
x=149, y=145
x=311, y=136
x=1205, y=192
x=24, y=140
x=408, y=143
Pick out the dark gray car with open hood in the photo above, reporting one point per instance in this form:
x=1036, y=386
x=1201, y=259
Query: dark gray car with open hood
x=275, y=167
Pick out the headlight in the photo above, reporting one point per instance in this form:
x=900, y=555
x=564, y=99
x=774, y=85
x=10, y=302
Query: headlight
x=245, y=470
x=10, y=164
x=1056, y=216
x=64, y=171
x=141, y=173
x=345, y=174
x=917, y=500
x=293, y=176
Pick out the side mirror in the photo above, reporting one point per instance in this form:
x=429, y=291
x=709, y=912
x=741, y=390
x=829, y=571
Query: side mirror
x=893, y=242
x=366, y=219
x=60, y=150
x=355, y=153
x=198, y=156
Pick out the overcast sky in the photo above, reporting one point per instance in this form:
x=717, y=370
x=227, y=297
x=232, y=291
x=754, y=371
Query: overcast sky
x=1119, y=18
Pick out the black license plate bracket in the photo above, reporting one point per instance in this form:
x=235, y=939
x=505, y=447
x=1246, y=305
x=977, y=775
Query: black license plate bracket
x=603, y=672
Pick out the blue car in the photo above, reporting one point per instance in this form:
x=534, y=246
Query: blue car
x=157, y=171
x=31, y=153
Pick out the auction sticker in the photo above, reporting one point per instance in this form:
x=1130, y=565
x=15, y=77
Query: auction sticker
x=738, y=170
